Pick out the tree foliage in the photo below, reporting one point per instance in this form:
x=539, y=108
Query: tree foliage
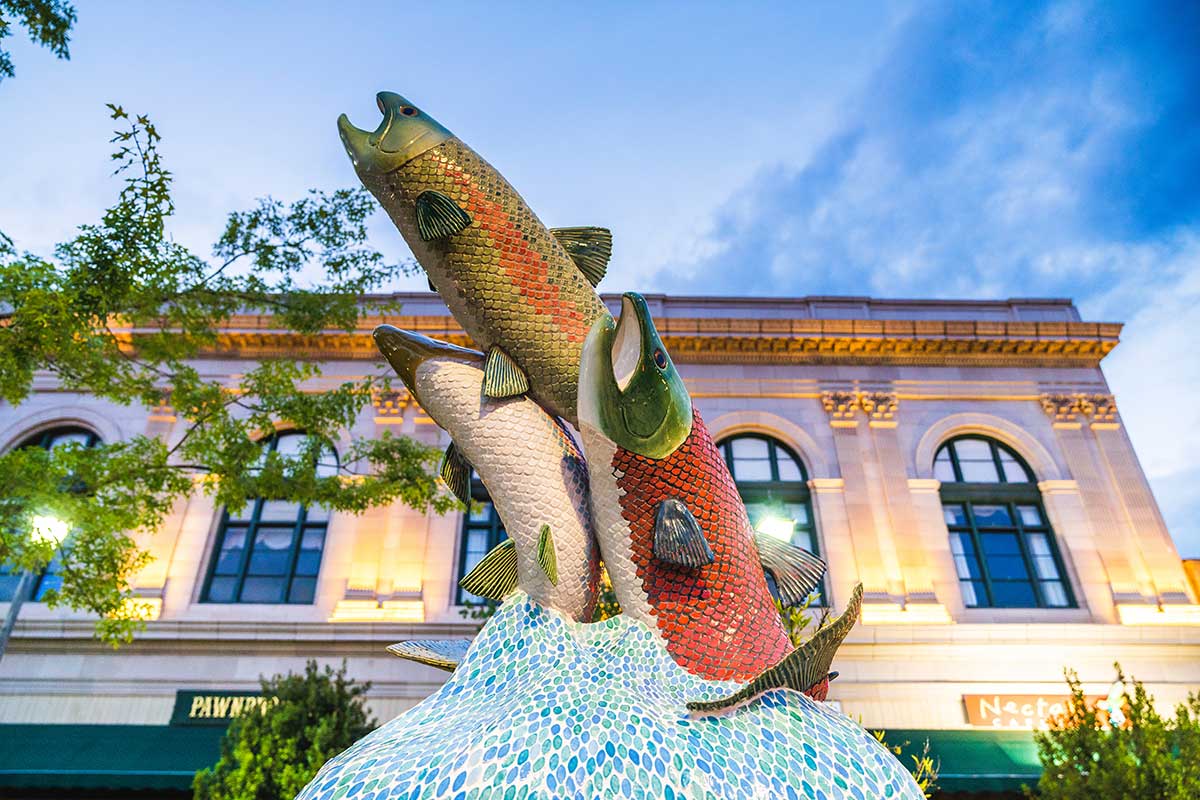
x=273, y=751
x=48, y=23
x=1084, y=756
x=121, y=312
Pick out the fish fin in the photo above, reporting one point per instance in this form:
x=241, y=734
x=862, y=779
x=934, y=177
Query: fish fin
x=590, y=248
x=456, y=472
x=441, y=653
x=547, y=556
x=502, y=377
x=800, y=670
x=795, y=570
x=678, y=539
x=438, y=216
x=495, y=576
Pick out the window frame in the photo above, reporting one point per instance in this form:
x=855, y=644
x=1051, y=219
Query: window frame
x=1010, y=495
x=253, y=523
x=496, y=534
x=778, y=491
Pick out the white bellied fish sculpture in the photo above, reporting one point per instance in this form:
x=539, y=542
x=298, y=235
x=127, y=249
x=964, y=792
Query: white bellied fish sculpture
x=522, y=291
x=672, y=528
x=529, y=463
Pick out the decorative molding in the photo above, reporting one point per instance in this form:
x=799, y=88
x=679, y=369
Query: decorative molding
x=827, y=485
x=880, y=408
x=390, y=406
x=842, y=408
x=924, y=485
x=1065, y=409
x=163, y=411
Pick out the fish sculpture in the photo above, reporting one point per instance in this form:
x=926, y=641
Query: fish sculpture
x=529, y=463
x=804, y=670
x=523, y=292
x=672, y=529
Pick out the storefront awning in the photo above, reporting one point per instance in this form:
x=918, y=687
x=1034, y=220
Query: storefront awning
x=105, y=756
x=975, y=760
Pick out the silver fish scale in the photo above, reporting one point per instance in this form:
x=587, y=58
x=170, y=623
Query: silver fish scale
x=505, y=278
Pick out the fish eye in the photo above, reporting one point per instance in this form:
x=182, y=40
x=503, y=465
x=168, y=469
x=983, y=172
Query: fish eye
x=660, y=358
x=409, y=111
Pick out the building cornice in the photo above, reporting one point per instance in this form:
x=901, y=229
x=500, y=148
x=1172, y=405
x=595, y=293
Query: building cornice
x=742, y=340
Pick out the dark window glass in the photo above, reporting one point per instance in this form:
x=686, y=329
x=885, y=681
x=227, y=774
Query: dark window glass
x=774, y=485
x=1003, y=547
x=482, y=530
x=269, y=551
x=51, y=577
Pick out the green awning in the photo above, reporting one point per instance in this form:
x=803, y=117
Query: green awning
x=166, y=757
x=105, y=756
x=975, y=760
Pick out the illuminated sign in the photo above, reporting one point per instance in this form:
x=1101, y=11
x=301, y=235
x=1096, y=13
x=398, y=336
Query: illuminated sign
x=214, y=707
x=1021, y=711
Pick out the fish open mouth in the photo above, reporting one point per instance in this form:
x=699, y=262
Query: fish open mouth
x=627, y=345
x=642, y=412
x=402, y=135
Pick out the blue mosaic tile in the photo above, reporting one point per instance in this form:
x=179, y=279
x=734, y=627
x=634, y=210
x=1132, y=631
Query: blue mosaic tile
x=542, y=707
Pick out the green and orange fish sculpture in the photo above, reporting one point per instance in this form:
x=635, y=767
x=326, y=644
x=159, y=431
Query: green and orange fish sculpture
x=524, y=292
x=673, y=531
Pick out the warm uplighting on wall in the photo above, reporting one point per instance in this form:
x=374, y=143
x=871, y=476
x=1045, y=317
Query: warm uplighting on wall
x=1166, y=614
x=49, y=529
x=143, y=608
x=910, y=614
x=376, y=611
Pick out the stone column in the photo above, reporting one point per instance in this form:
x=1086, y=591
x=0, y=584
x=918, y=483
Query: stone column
x=932, y=535
x=1073, y=531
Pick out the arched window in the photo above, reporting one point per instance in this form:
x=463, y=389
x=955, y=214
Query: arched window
x=269, y=551
x=1004, y=550
x=482, y=529
x=774, y=485
x=51, y=577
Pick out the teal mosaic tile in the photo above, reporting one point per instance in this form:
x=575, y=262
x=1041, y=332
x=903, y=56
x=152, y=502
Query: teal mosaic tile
x=543, y=707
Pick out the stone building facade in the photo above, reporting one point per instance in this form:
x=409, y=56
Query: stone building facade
x=965, y=460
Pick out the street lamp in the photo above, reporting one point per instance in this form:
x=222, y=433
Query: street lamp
x=49, y=529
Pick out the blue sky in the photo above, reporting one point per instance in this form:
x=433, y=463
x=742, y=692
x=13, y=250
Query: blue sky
x=891, y=149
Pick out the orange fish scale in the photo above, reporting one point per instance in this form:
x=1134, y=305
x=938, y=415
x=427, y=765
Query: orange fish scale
x=719, y=621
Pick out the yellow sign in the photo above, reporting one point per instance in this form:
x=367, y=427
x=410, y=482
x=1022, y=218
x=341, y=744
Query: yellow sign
x=215, y=708
x=1020, y=711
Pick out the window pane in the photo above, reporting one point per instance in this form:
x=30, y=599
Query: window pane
x=1013, y=471
x=972, y=450
x=789, y=470
x=749, y=447
x=943, y=470
x=8, y=583
x=279, y=511
x=221, y=590
x=289, y=444
x=272, y=549
x=78, y=437
x=51, y=580
x=262, y=590
x=481, y=514
x=243, y=514
x=747, y=470
x=229, y=560
x=1006, y=568
x=992, y=516
x=974, y=594
x=1043, y=557
x=317, y=514
x=1014, y=594
x=798, y=512
x=313, y=538
x=955, y=515
x=303, y=590
x=979, y=471
x=999, y=544
x=1054, y=594
x=308, y=562
x=1031, y=516
x=802, y=538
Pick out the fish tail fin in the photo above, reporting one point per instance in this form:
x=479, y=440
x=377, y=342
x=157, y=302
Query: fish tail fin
x=796, y=571
x=799, y=671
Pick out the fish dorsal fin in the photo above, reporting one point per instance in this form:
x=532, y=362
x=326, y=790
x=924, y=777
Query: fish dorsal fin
x=590, y=248
x=502, y=377
x=456, y=472
x=495, y=576
x=678, y=539
x=800, y=670
x=795, y=570
x=546, y=555
x=441, y=653
x=438, y=216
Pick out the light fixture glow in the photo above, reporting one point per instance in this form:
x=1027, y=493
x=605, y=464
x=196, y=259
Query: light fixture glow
x=49, y=529
x=776, y=527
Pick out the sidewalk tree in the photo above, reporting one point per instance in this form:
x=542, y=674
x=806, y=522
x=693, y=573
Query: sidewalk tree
x=48, y=23
x=274, y=750
x=120, y=313
x=1084, y=756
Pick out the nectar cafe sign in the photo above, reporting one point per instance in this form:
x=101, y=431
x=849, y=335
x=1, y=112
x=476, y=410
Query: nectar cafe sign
x=214, y=707
x=1019, y=711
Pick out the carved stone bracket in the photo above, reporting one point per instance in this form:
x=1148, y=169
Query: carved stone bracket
x=1065, y=409
x=1101, y=408
x=163, y=410
x=390, y=406
x=880, y=407
x=842, y=408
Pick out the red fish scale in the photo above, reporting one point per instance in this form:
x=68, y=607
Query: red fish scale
x=719, y=621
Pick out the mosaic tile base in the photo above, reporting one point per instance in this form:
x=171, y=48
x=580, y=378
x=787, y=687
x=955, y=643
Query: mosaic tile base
x=544, y=707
